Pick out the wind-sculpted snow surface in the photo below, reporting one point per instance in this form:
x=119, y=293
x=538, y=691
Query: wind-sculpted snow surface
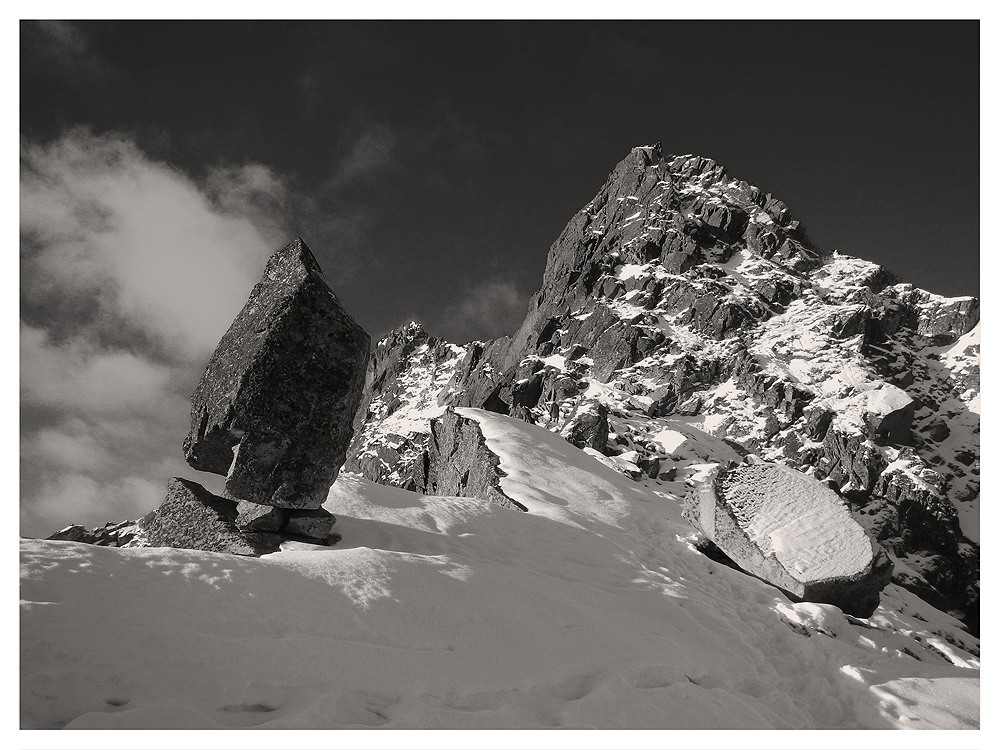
x=590, y=610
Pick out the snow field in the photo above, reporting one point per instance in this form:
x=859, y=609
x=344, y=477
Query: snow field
x=590, y=610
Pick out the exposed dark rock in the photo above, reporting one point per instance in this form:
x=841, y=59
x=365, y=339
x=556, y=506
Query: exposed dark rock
x=588, y=426
x=312, y=524
x=408, y=369
x=460, y=464
x=690, y=407
x=254, y=517
x=191, y=517
x=281, y=389
x=889, y=415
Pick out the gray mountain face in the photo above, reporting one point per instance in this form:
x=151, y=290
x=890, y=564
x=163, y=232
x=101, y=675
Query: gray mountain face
x=686, y=319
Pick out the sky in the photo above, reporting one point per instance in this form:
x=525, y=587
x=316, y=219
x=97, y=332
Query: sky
x=429, y=165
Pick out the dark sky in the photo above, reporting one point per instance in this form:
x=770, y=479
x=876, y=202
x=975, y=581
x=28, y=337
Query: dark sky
x=429, y=165
x=483, y=139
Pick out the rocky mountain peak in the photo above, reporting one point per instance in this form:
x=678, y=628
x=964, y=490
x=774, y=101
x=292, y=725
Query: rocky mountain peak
x=685, y=318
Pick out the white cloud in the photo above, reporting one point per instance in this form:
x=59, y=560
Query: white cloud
x=142, y=239
x=131, y=271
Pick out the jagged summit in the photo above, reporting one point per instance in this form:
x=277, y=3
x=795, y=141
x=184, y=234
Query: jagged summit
x=685, y=314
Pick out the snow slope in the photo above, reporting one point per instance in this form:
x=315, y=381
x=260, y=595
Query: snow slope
x=590, y=610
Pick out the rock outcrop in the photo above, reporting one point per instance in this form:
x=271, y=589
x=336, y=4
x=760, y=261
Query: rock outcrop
x=458, y=462
x=407, y=372
x=281, y=389
x=792, y=531
x=121, y=534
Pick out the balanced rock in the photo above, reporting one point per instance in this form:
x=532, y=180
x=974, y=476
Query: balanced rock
x=191, y=517
x=792, y=531
x=281, y=389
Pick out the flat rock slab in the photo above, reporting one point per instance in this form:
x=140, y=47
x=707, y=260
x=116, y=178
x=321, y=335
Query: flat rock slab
x=792, y=531
x=281, y=389
x=191, y=517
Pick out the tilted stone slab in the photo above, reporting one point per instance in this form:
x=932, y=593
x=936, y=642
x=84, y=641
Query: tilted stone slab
x=191, y=517
x=792, y=531
x=459, y=463
x=281, y=389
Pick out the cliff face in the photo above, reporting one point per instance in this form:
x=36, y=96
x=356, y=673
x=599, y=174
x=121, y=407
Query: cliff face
x=685, y=315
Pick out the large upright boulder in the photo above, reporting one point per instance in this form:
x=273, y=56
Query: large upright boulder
x=792, y=531
x=281, y=389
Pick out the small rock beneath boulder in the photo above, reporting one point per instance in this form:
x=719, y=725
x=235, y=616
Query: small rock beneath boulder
x=191, y=517
x=281, y=388
x=259, y=517
x=314, y=524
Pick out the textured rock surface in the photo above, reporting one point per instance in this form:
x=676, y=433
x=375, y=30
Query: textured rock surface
x=254, y=517
x=694, y=308
x=191, y=517
x=282, y=389
x=458, y=462
x=793, y=532
x=312, y=524
x=406, y=374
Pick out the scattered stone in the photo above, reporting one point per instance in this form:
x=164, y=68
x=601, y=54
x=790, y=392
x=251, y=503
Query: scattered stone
x=889, y=414
x=588, y=427
x=939, y=432
x=690, y=408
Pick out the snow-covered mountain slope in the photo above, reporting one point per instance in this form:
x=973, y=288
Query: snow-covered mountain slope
x=592, y=609
x=406, y=372
x=685, y=318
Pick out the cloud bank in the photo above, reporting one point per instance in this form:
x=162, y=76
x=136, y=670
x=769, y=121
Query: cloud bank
x=130, y=273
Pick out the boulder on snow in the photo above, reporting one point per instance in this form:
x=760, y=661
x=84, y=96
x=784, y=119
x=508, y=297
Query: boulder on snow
x=459, y=463
x=191, y=517
x=588, y=426
x=793, y=532
x=889, y=414
x=281, y=389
